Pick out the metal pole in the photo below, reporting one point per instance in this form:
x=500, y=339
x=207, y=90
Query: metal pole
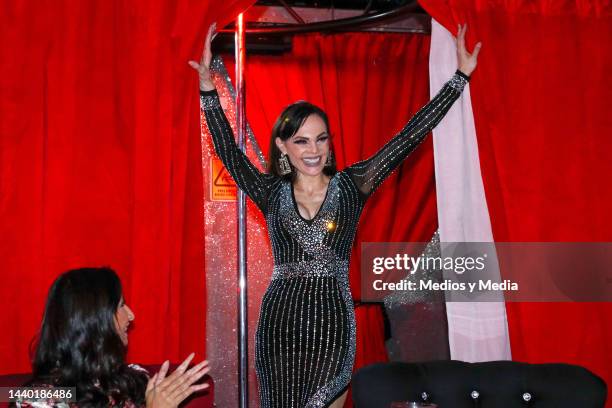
x=243, y=346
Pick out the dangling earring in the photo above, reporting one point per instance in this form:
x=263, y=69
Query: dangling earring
x=283, y=163
x=330, y=159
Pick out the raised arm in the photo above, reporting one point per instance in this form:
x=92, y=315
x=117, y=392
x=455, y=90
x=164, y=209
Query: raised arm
x=370, y=173
x=249, y=179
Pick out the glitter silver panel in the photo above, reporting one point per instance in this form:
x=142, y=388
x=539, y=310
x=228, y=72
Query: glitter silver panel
x=305, y=336
x=417, y=319
x=432, y=250
x=221, y=273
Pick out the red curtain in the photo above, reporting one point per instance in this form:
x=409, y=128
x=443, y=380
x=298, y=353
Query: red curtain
x=540, y=98
x=100, y=163
x=370, y=85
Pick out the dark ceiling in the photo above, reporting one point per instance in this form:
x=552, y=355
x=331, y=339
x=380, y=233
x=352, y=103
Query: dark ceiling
x=345, y=4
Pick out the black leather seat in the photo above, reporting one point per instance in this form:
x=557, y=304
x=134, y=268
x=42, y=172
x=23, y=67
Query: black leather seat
x=499, y=384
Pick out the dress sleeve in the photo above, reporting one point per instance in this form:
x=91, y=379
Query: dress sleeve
x=249, y=179
x=370, y=173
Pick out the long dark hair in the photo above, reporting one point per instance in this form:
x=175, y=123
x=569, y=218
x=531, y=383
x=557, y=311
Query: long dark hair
x=288, y=123
x=78, y=344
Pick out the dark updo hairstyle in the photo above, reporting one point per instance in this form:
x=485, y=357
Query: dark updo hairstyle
x=287, y=125
x=78, y=344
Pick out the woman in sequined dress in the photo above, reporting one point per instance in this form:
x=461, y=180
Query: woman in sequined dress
x=305, y=337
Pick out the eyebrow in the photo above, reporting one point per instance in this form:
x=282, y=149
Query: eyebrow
x=304, y=137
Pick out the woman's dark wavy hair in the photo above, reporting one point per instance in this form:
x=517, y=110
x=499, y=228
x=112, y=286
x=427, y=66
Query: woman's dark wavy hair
x=78, y=344
x=287, y=125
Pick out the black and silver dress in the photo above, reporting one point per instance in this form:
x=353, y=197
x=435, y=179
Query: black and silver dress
x=305, y=337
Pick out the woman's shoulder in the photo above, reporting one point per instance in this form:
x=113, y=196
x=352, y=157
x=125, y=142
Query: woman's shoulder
x=343, y=176
x=48, y=400
x=139, y=368
x=44, y=404
x=53, y=402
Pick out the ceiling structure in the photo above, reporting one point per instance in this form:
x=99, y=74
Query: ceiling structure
x=372, y=5
x=271, y=24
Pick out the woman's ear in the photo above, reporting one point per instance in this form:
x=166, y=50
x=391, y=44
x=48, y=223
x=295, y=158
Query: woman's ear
x=280, y=144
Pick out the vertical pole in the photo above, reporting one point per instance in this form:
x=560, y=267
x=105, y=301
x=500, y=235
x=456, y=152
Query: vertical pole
x=243, y=346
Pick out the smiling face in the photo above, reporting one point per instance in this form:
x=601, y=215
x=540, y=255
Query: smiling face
x=123, y=317
x=308, y=147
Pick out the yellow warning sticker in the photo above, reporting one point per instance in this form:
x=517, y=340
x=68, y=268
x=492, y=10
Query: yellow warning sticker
x=222, y=185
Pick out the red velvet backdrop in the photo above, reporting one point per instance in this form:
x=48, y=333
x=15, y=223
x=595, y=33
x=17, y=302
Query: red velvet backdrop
x=100, y=163
x=370, y=85
x=541, y=104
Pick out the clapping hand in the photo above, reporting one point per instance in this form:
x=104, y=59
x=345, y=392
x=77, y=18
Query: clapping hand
x=466, y=61
x=170, y=391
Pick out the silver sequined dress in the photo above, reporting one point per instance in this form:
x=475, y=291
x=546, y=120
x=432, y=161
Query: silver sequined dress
x=305, y=337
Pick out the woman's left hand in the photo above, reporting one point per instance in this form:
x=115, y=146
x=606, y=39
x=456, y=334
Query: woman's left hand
x=466, y=62
x=170, y=391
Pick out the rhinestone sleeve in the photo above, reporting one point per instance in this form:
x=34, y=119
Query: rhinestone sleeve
x=248, y=178
x=368, y=174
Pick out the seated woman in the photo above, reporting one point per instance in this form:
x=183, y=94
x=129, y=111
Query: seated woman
x=83, y=342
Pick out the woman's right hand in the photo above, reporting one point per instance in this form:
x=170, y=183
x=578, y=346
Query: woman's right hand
x=170, y=391
x=203, y=67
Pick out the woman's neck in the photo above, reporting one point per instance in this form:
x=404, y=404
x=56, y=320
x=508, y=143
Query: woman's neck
x=311, y=184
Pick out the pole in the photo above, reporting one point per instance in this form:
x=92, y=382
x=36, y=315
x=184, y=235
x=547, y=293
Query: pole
x=243, y=346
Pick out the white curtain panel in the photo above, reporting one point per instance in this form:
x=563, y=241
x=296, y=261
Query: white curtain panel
x=478, y=331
